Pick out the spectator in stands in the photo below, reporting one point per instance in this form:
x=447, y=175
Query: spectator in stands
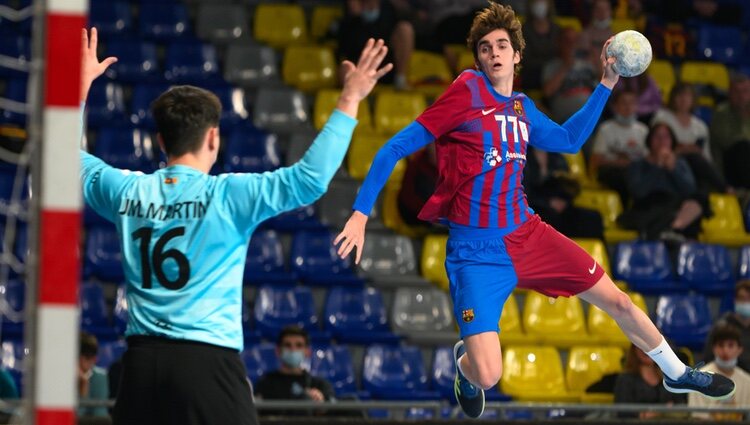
x=648, y=93
x=599, y=28
x=291, y=381
x=417, y=185
x=666, y=203
x=726, y=346
x=92, y=380
x=568, y=80
x=618, y=142
x=740, y=319
x=634, y=10
x=641, y=382
x=550, y=192
x=541, y=34
x=730, y=133
x=364, y=19
x=711, y=12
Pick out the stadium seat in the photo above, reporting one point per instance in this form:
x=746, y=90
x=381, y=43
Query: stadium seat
x=511, y=331
x=623, y=24
x=744, y=263
x=568, y=22
x=577, y=170
x=662, y=71
x=391, y=215
x=265, y=259
x=356, y=314
x=390, y=259
x=323, y=17
x=335, y=206
x=327, y=99
x=120, y=311
x=394, y=372
x=260, y=359
x=314, y=259
x=596, y=249
x=465, y=61
x=126, y=148
x=140, y=104
x=250, y=65
x=429, y=73
x=280, y=25
x=103, y=256
x=588, y=364
x=424, y=314
x=309, y=68
x=726, y=226
x=137, y=61
x=607, y=203
x=705, y=73
x=110, y=18
x=9, y=199
x=558, y=322
x=164, y=22
x=15, y=90
x=297, y=146
x=278, y=305
x=334, y=364
x=105, y=105
x=396, y=110
x=110, y=352
x=685, y=319
x=604, y=328
x=720, y=44
x=364, y=147
x=433, y=260
x=533, y=373
x=222, y=23
x=233, y=111
x=94, y=314
x=18, y=51
x=250, y=150
x=705, y=268
x=191, y=62
x=302, y=218
x=13, y=294
x=280, y=110
x=646, y=267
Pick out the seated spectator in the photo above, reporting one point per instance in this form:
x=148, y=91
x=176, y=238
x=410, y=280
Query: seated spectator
x=541, y=34
x=618, y=142
x=730, y=133
x=364, y=19
x=599, y=28
x=550, y=194
x=641, y=382
x=740, y=319
x=417, y=185
x=726, y=347
x=647, y=92
x=666, y=202
x=291, y=381
x=92, y=380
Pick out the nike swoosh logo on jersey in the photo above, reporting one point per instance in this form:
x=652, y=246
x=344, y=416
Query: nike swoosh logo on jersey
x=593, y=268
x=489, y=111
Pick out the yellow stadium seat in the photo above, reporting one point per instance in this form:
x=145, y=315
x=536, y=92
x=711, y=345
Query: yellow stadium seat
x=662, y=71
x=280, y=25
x=466, y=61
x=391, y=216
x=557, y=321
x=706, y=73
x=322, y=18
x=433, y=260
x=597, y=250
x=587, y=364
x=429, y=73
x=534, y=373
x=511, y=331
x=325, y=102
x=608, y=203
x=604, y=327
x=396, y=110
x=309, y=68
x=568, y=22
x=577, y=169
x=361, y=153
x=725, y=227
x=622, y=24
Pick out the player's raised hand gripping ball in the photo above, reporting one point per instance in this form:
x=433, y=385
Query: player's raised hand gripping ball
x=632, y=52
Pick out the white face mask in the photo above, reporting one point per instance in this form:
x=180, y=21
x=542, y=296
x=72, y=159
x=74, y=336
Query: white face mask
x=743, y=309
x=539, y=9
x=726, y=365
x=602, y=24
x=625, y=120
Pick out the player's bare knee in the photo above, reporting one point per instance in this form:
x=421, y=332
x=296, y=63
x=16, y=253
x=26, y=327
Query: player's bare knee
x=621, y=305
x=489, y=375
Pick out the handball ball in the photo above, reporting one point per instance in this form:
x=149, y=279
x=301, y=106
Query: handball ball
x=632, y=52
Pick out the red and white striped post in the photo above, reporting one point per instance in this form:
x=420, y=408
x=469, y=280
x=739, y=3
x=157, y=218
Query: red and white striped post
x=55, y=394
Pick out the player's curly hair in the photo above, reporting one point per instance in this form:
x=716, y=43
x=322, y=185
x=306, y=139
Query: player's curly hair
x=494, y=17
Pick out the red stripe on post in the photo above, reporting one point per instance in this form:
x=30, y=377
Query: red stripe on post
x=63, y=62
x=54, y=416
x=58, y=257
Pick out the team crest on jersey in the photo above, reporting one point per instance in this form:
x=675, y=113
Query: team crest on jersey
x=170, y=180
x=492, y=157
x=468, y=315
x=518, y=107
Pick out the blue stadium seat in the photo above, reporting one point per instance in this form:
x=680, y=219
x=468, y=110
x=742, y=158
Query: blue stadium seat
x=251, y=150
x=13, y=354
x=120, y=311
x=137, y=61
x=8, y=176
x=21, y=247
x=265, y=259
x=14, y=292
x=303, y=218
x=191, y=62
x=393, y=372
x=744, y=263
x=705, y=268
x=126, y=148
x=94, y=315
x=103, y=256
x=746, y=212
x=334, y=364
x=277, y=306
x=15, y=28
x=16, y=91
x=315, y=261
x=91, y=218
x=105, y=105
x=111, y=18
x=685, y=319
x=260, y=359
x=720, y=44
x=140, y=104
x=110, y=352
x=646, y=267
x=356, y=315
x=163, y=22
x=233, y=109
x=18, y=48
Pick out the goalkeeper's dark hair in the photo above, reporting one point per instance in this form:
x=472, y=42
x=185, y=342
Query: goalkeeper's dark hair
x=183, y=115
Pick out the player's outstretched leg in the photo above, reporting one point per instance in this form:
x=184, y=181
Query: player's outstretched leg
x=469, y=396
x=678, y=378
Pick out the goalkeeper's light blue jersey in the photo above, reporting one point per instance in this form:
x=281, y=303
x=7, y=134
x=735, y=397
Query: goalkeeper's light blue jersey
x=184, y=233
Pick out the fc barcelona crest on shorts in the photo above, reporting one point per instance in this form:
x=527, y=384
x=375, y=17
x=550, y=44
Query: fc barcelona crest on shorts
x=468, y=315
x=518, y=107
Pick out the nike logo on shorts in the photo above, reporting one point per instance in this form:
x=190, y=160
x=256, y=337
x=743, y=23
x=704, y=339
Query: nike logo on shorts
x=593, y=268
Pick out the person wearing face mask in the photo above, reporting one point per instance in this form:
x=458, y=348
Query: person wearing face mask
x=618, y=142
x=291, y=381
x=599, y=28
x=726, y=346
x=541, y=35
x=739, y=317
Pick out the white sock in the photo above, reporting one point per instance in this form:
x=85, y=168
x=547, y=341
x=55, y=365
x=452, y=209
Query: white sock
x=460, y=369
x=667, y=360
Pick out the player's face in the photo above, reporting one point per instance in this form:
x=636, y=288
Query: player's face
x=496, y=57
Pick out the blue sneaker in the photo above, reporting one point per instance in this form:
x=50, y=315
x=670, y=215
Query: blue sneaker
x=711, y=385
x=469, y=397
